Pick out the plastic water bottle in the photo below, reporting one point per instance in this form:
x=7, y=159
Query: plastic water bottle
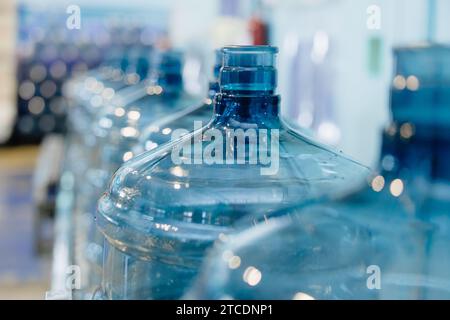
x=164, y=208
x=99, y=87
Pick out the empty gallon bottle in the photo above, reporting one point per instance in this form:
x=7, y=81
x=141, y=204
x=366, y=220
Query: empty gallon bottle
x=100, y=87
x=119, y=126
x=117, y=129
x=371, y=244
x=421, y=87
x=164, y=208
x=82, y=112
x=158, y=132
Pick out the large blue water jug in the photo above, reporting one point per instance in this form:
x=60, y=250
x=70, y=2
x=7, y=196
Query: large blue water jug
x=164, y=208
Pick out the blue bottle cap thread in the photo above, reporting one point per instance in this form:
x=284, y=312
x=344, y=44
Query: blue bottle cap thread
x=217, y=63
x=248, y=69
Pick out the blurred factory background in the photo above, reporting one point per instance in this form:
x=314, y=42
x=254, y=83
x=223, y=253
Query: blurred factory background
x=335, y=71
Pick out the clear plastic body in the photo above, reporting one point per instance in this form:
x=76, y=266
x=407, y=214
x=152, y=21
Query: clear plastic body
x=116, y=129
x=386, y=241
x=163, y=208
x=88, y=94
x=321, y=252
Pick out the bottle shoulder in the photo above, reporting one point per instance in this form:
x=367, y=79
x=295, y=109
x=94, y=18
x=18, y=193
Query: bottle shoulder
x=132, y=119
x=165, y=184
x=159, y=132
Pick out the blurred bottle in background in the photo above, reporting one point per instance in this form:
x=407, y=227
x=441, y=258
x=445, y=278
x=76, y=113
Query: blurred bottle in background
x=258, y=24
x=334, y=70
x=326, y=250
x=158, y=216
x=118, y=81
x=157, y=133
x=127, y=41
x=357, y=66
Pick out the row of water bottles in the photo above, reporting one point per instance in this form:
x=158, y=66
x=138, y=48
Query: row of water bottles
x=220, y=197
x=48, y=56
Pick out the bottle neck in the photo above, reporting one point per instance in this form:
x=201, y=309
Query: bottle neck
x=258, y=109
